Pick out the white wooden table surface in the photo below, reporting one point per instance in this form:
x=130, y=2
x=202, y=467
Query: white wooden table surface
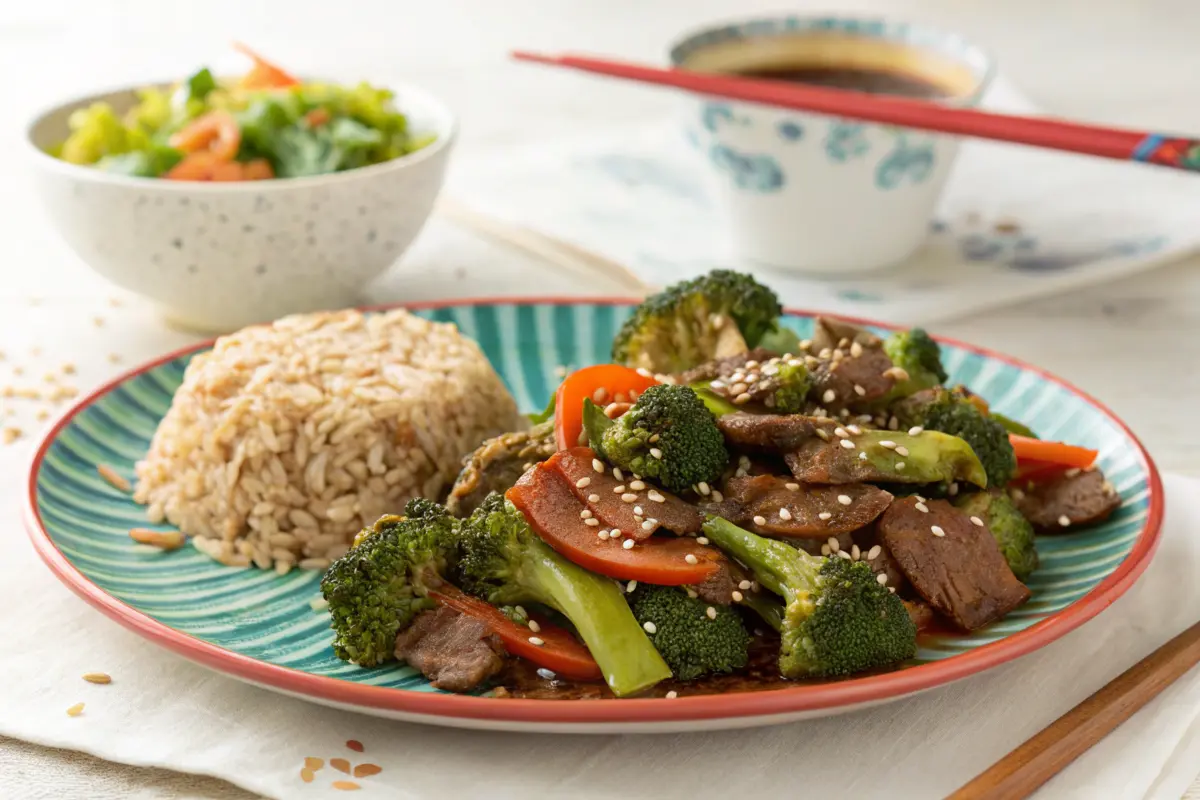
x=1135, y=344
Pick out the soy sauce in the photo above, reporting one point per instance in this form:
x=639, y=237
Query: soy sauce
x=860, y=80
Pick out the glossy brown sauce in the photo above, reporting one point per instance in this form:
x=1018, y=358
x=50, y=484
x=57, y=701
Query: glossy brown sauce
x=860, y=80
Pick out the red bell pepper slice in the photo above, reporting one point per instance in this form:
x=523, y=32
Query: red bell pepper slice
x=615, y=379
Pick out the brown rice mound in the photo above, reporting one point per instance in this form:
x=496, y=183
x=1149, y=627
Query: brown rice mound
x=286, y=439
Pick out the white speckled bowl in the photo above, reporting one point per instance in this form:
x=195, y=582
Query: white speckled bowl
x=218, y=256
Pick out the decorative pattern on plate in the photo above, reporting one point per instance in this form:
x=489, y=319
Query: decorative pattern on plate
x=266, y=617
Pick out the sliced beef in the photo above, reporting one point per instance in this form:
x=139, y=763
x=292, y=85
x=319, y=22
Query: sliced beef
x=724, y=367
x=879, y=560
x=496, y=465
x=719, y=587
x=774, y=506
x=628, y=509
x=849, y=366
x=1075, y=498
x=772, y=433
x=955, y=565
x=453, y=651
x=920, y=613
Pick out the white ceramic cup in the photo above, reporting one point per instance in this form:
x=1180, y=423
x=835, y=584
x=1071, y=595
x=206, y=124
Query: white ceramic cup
x=811, y=193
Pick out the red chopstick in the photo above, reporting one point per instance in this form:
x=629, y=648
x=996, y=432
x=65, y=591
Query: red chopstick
x=1076, y=137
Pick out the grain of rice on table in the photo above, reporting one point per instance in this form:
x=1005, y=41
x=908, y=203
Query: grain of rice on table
x=286, y=439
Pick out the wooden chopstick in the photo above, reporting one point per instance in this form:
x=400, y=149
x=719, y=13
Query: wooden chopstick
x=556, y=251
x=1147, y=147
x=1042, y=757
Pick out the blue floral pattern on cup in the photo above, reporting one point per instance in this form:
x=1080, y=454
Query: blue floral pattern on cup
x=846, y=141
x=790, y=131
x=908, y=162
x=713, y=114
x=752, y=172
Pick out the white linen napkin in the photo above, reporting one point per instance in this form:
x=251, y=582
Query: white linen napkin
x=161, y=710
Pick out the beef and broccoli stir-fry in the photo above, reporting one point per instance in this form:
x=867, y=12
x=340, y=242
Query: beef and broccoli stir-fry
x=724, y=507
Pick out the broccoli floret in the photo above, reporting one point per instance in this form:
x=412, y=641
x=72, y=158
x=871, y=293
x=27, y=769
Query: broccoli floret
x=1009, y=527
x=719, y=314
x=504, y=562
x=837, y=619
x=791, y=395
x=376, y=589
x=669, y=436
x=919, y=355
x=951, y=412
x=689, y=641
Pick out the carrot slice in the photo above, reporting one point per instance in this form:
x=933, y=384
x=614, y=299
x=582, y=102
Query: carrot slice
x=552, y=510
x=614, y=379
x=1051, y=452
x=558, y=651
x=264, y=74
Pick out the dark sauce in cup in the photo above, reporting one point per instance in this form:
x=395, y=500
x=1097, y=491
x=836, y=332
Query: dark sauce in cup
x=871, y=81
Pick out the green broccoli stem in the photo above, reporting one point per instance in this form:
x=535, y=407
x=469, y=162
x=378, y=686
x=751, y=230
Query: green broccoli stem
x=771, y=611
x=597, y=609
x=776, y=565
x=717, y=406
x=595, y=423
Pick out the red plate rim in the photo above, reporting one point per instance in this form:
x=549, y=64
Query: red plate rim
x=770, y=703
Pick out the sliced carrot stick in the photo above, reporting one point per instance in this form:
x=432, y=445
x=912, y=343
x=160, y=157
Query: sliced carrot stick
x=558, y=651
x=614, y=379
x=1068, y=455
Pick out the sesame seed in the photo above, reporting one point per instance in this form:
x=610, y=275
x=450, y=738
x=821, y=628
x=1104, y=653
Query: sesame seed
x=821, y=432
x=737, y=388
x=619, y=489
x=751, y=364
x=854, y=429
x=844, y=554
x=937, y=530
x=744, y=585
x=824, y=549
x=902, y=451
x=597, y=465
x=534, y=626
x=760, y=520
x=900, y=465
x=737, y=596
x=629, y=497
x=600, y=396
x=888, y=443
x=703, y=487
x=829, y=396
x=915, y=430
x=856, y=349
x=846, y=443
x=844, y=499
x=637, y=511
x=874, y=552
x=924, y=509
x=583, y=483
x=629, y=587
x=825, y=352
x=736, y=378
x=1072, y=472
x=645, y=373
x=953, y=488
x=881, y=579
x=536, y=641
x=594, y=523
x=1016, y=494
x=855, y=552
x=655, y=497
x=671, y=695
x=892, y=589
x=860, y=391
x=585, y=513
x=862, y=456
x=548, y=674
x=1109, y=488
x=627, y=544
x=742, y=398
x=615, y=533
x=744, y=460
x=701, y=540
x=648, y=525
x=977, y=521
x=617, y=474
x=717, y=496
x=711, y=612
x=717, y=384
x=593, y=498
x=841, y=432
x=833, y=544
x=603, y=536
x=650, y=627
x=893, y=424
x=784, y=514
x=824, y=515
x=636, y=486
x=691, y=592
x=655, y=452
x=1065, y=521
x=918, y=498
x=691, y=559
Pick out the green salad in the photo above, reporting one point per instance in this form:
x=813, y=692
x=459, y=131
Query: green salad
x=267, y=124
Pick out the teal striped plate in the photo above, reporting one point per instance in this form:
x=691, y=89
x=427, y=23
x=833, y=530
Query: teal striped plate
x=259, y=626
